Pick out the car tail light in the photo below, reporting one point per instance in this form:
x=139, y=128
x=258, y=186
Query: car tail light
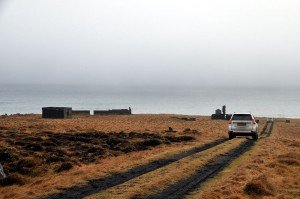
x=230, y=121
x=253, y=121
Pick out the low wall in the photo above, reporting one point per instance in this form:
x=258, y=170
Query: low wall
x=81, y=112
x=113, y=112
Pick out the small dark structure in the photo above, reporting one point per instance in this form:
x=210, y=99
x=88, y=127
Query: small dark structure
x=221, y=115
x=81, y=112
x=188, y=119
x=113, y=112
x=218, y=117
x=170, y=130
x=57, y=112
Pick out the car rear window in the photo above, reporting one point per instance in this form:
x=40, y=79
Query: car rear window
x=242, y=117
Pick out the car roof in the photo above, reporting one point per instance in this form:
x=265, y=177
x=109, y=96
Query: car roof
x=242, y=113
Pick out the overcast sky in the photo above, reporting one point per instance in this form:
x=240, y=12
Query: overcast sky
x=157, y=42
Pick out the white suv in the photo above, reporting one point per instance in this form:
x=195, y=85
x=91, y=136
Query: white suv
x=243, y=124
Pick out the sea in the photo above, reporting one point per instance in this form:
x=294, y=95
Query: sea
x=268, y=102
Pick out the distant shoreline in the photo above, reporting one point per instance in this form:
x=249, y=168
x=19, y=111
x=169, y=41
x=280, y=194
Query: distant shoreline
x=139, y=114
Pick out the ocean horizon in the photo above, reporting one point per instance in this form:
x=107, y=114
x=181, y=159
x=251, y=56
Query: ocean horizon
x=268, y=102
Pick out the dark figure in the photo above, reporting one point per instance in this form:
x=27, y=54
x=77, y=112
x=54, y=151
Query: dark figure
x=224, y=109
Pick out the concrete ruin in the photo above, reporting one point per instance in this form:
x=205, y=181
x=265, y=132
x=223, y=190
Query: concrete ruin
x=113, y=112
x=218, y=112
x=57, y=112
x=221, y=115
x=81, y=112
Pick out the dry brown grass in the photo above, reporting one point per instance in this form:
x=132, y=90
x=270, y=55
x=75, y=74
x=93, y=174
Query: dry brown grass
x=51, y=182
x=259, y=187
x=44, y=180
x=269, y=170
x=155, y=181
x=111, y=123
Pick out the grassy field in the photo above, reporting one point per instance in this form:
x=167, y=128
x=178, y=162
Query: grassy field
x=42, y=157
x=269, y=170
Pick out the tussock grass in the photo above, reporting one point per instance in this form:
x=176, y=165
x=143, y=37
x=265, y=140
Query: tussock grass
x=13, y=179
x=259, y=187
x=290, y=159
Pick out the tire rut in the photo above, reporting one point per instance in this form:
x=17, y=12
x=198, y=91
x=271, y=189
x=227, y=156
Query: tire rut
x=96, y=185
x=267, y=130
x=186, y=186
